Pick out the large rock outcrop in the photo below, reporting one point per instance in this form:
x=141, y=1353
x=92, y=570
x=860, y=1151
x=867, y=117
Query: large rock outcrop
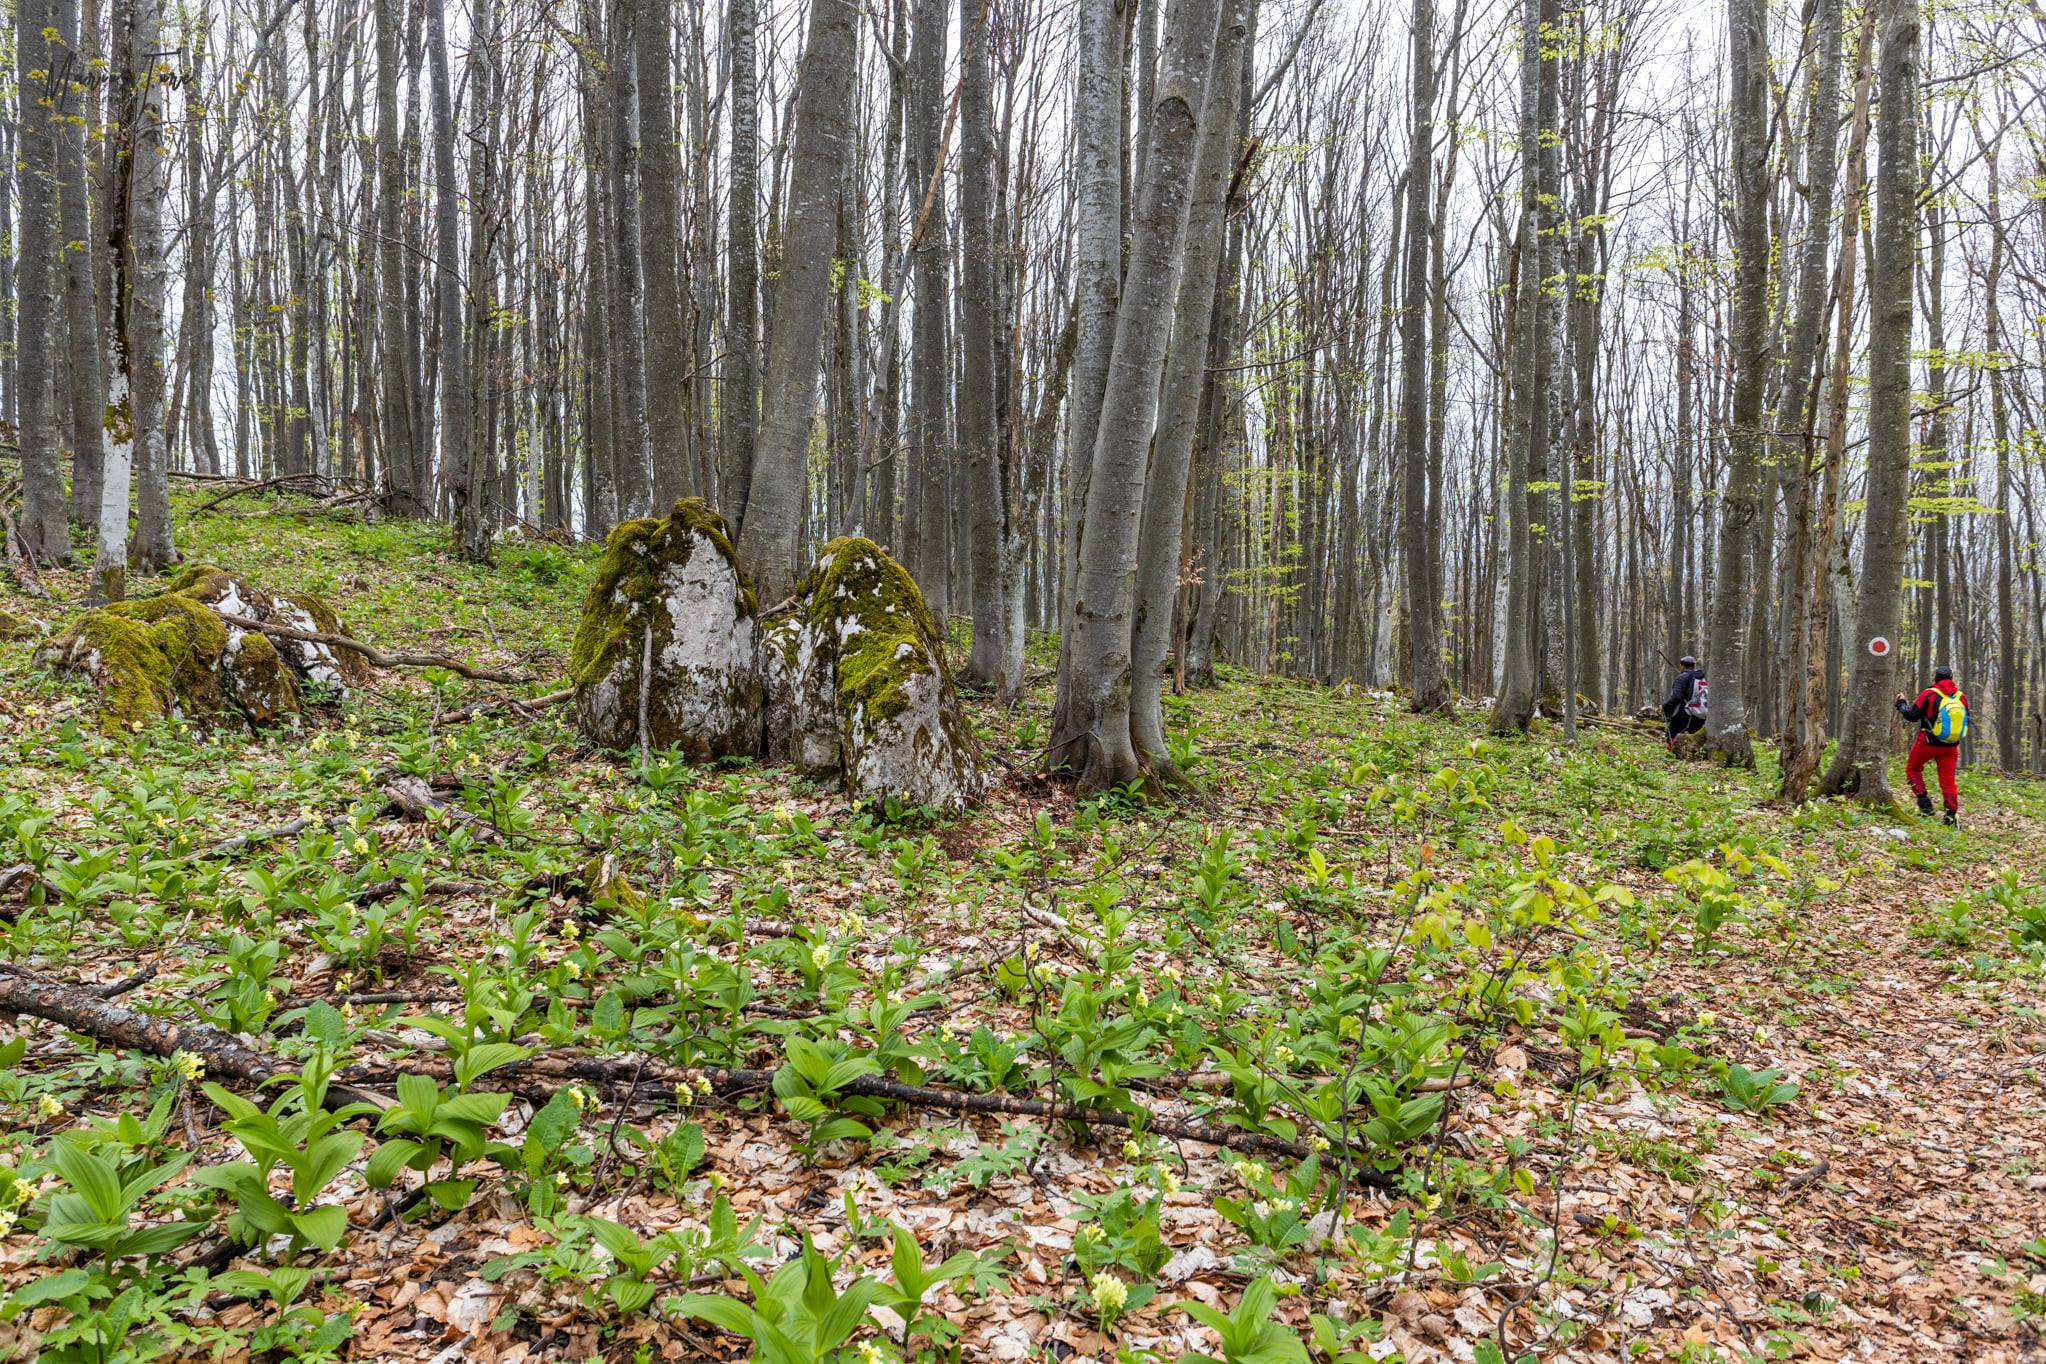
x=667, y=652
x=174, y=654
x=857, y=684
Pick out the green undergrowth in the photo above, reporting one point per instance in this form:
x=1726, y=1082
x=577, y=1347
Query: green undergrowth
x=1342, y=930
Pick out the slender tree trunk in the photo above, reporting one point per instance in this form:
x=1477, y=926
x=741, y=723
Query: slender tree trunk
x=402, y=463
x=1861, y=767
x=1098, y=117
x=980, y=442
x=1428, y=688
x=83, y=380
x=472, y=530
x=1094, y=740
x=660, y=221
x=769, y=540
x=143, y=296
x=1796, y=413
x=1726, y=652
x=1159, y=538
x=739, y=407
x=44, y=529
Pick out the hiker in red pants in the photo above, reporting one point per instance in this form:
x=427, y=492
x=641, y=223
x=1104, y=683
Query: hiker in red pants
x=1941, y=713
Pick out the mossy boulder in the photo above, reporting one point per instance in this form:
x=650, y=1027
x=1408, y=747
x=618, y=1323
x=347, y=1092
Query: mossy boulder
x=857, y=683
x=174, y=654
x=667, y=651
x=14, y=627
x=228, y=595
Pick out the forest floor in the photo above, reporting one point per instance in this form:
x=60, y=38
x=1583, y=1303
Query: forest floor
x=1629, y=1062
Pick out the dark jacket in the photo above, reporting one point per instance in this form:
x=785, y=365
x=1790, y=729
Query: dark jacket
x=1922, y=710
x=1680, y=690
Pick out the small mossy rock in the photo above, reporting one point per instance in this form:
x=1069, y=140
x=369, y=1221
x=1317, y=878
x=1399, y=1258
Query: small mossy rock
x=232, y=596
x=670, y=626
x=864, y=650
x=16, y=627
x=173, y=654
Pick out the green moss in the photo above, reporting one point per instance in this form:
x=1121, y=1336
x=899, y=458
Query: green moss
x=625, y=584
x=855, y=584
x=14, y=627
x=149, y=657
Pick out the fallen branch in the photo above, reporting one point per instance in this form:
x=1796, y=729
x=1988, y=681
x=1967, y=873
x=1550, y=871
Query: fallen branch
x=82, y=1011
x=416, y=799
x=116, y=989
x=376, y=656
x=282, y=480
x=525, y=707
x=226, y=1058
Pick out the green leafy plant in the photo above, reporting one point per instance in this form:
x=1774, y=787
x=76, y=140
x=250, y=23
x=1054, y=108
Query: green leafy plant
x=796, y=1317
x=1752, y=1091
x=1247, y=1334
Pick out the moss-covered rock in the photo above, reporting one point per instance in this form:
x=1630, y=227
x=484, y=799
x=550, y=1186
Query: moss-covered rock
x=15, y=627
x=174, y=654
x=858, y=682
x=232, y=596
x=668, y=647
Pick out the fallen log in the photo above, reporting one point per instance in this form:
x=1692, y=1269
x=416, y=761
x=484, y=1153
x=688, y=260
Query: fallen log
x=376, y=656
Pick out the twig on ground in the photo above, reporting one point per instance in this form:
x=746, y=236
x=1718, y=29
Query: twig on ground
x=376, y=656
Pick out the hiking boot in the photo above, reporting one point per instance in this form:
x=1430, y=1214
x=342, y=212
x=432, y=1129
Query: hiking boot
x=1953, y=819
x=1924, y=804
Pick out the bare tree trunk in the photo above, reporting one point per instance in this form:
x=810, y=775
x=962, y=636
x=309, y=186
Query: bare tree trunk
x=402, y=463
x=44, y=529
x=987, y=666
x=1516, y=701
x=1094, y=739
x=929, y=538
x=634, y=458
x=1159, y=539
x=1861, y=766
x=1796, y=413
x=472, y=531
x=667, y=357
x=142, y=295
x=1726, y=653
x=769, y=539
x=1098, y=117
x=1428, y=688
x=739, y=407
x=83, y=380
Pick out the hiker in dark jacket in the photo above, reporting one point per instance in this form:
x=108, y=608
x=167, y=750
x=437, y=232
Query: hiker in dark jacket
x=1685, y=709
x=1942, y=750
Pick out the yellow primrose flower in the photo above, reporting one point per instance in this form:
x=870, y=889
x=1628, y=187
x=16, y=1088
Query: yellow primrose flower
x=47, y=1106
x=820, y=956
x=188, y=1064
x=1110, y=1293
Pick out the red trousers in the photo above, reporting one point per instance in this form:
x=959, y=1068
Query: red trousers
x=1945, y=757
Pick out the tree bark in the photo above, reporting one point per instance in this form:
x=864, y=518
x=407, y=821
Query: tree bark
x=1159, y=538
x=1428, y=688
x=1093, y=741
x=1726, y=653
x=44, y=529
x=1861, y=765
x=769, y=540
x=739, y=407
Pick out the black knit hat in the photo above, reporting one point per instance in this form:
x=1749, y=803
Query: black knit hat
x=1942, y=673
x=1687, y=662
